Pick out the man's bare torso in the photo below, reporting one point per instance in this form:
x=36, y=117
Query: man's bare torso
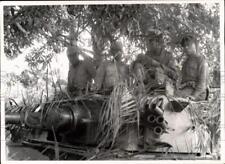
x=114, y=73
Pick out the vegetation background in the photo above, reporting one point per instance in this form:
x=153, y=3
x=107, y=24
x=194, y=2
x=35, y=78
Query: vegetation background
x=37, y=36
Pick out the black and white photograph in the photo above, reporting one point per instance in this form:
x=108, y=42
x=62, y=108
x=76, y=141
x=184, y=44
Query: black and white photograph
x=112, y=80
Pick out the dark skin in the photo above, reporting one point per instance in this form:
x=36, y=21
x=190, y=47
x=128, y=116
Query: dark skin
x=80, y=72
x=111, y=72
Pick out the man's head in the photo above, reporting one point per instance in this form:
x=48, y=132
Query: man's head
x=73, y=55
x=190, y=45
x=155, y=42
x=116, y=50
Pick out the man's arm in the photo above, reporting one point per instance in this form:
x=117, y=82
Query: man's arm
x=147, y=61
x=170, y=68
x=70, y=80
x=100, y=75
x=201, y=84
x=90, y=69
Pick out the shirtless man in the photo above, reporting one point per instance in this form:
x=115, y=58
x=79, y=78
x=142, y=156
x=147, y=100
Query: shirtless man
x=110, y=73
x=80, y=73
x=195, y=75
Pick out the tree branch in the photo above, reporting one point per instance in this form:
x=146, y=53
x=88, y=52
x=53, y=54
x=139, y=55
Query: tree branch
x=21, y=28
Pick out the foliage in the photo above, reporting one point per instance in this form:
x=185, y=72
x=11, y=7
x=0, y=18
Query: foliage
x=207, y=115
x=121, y=109
x=51, y=25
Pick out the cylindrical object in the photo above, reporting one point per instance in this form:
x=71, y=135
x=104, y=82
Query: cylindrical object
x=158, y=110
x=151, y=118
x=160, y=120
x=33, y=119
x=59, y=118
x=13, y=118
x=159, y=103
x=158, y=130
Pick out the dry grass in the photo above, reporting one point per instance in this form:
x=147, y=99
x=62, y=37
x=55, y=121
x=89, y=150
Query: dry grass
x=206, y=118
x=121, y=109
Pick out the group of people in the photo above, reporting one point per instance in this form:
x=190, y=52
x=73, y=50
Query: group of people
x=154, y=69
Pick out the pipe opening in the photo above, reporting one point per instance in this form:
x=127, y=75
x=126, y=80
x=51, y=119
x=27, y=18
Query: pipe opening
x=158, y=130
x=151, y=118
x=160, y=120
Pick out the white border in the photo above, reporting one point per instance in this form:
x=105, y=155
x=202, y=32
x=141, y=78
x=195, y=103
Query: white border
x=7, y=3
x=3, y=152
x=222, y=69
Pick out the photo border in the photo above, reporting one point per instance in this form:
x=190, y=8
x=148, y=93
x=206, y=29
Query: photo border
x=222, y=71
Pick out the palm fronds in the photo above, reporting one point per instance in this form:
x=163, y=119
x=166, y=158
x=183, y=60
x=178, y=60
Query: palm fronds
x=121, y=109
x=206, y=119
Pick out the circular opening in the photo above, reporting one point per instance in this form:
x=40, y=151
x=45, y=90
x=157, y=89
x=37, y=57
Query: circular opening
x=158, y=130
x=151, y=118
x=160, y=119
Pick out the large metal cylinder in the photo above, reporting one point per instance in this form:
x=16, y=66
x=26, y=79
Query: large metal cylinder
x=76, y=120
x=13, y=118
x=59, y=117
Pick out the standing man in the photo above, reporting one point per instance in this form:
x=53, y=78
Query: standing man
x=80, y=73
x=110, y=73
x=194, y=83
